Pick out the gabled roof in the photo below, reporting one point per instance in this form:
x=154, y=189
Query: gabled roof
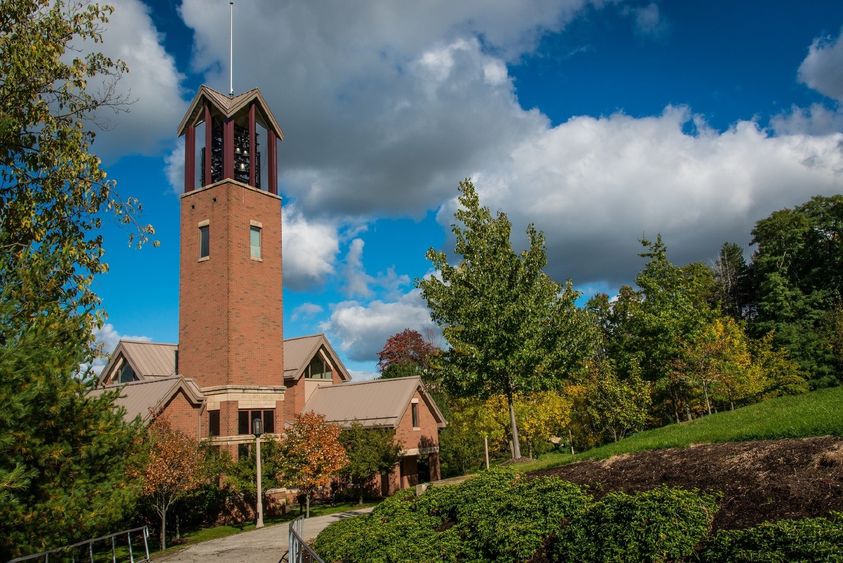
x=147, y=359
x=145, y=399
x=299, y=351
x=380, y=402
x=228, y=106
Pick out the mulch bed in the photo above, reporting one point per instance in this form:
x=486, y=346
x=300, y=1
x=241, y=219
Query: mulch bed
x=761, y=480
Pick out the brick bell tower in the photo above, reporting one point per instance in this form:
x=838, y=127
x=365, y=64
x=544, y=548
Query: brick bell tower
x=230, y=301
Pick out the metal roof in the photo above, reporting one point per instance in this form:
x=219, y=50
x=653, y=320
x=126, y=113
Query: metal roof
x=147, y=359
x=145, y=399
x=228, y=106
x=299, y=351
x=380, y=402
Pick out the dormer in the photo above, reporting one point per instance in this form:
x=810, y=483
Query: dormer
x=230, y=138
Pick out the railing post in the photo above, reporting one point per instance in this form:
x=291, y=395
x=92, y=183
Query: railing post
x=113, y=551
x=131, y=555
x=146, y=541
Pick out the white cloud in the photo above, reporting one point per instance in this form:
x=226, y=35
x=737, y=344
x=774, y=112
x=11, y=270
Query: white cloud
x=822, y=69
x=306, y=310
x=389, y=106
x=595, y=185
x=174, y=167
x=309, y=249
x=355, y=279
x=152, y=85
x=814, y=120
x=362, y=329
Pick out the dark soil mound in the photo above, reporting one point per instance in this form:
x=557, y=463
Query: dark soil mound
x=763, y=480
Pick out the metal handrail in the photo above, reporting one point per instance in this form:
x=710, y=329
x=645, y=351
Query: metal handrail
x=298, y=550
x=90, y=543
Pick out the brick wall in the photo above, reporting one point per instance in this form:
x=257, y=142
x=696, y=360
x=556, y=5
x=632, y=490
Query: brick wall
x=230, y=306
x=183, y=415
x=428, y=433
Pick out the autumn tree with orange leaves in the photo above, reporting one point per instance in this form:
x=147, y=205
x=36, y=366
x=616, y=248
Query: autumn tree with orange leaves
x=310, y=455
x=173, y=468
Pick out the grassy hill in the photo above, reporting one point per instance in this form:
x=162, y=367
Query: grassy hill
x=818, y=413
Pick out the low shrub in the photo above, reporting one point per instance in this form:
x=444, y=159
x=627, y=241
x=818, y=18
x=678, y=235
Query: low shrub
x=343, y=540
x=658, y=525
x=807, y=539
x=507, y=517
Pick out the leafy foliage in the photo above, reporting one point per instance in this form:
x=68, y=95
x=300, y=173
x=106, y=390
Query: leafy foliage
x=657, y=525
x=406, y=353
x=613, y=406
x=309, y=454
x=797, y=275
x=172, y=469
x=63, y=452
x=370, y=451
x=52, y=188
x=511, y=329
x=808, y=539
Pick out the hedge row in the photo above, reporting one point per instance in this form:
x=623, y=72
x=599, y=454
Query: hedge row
x=500, y=516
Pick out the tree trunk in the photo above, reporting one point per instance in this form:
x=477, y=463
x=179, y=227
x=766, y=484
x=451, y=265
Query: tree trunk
x=516, y=444
x=707, y=402
x=307, y=501
x=163, y=514
x=178, y=527
x=571, y=441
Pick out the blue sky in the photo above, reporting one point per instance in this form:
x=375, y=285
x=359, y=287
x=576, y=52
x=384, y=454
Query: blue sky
x=599, y=122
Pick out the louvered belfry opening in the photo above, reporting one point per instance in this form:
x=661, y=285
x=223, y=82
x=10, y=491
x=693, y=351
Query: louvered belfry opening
x=230, y=137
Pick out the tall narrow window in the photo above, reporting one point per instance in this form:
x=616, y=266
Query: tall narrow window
x=415, y=415
x=213, y=423
x=204, y=241
x=255, y=242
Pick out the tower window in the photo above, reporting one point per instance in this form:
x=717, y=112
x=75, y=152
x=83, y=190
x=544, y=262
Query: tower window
x=415, y=415
x=255, y=242
x=204, y=241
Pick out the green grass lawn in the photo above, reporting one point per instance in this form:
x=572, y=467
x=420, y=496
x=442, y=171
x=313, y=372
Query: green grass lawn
x=818, y=413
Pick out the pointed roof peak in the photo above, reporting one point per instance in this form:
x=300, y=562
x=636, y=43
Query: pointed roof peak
x=228, y=106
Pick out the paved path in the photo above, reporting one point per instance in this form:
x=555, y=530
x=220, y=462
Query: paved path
x=266, y=545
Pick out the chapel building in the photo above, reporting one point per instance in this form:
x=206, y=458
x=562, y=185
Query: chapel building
x=232, y=364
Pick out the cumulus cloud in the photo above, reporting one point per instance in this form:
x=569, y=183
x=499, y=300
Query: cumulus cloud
x=389, y=106
x=357, y=282
x=822, y=69
x=174, y=167
x=362, y=329
x=814, y=120
x=596, y=185
x=309, y=249
x=389, y=103
x=152, y=85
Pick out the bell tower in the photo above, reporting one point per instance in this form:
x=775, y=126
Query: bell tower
x=230, y=299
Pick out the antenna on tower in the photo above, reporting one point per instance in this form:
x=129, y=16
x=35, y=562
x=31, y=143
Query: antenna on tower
x=231, y=47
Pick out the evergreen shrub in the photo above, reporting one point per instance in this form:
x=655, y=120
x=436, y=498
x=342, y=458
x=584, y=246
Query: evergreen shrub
x=807, y=539
x=663, y=524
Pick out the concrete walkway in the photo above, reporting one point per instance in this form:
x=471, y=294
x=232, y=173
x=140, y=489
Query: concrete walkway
x=266, y=545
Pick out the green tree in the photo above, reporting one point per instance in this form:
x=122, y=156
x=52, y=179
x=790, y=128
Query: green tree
x=798, y=272
x=63, y=453
x=370, y=451
x=732, y=276
x=309, y=455
x=52, y=188
x=615, y=407
x=510, y=327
